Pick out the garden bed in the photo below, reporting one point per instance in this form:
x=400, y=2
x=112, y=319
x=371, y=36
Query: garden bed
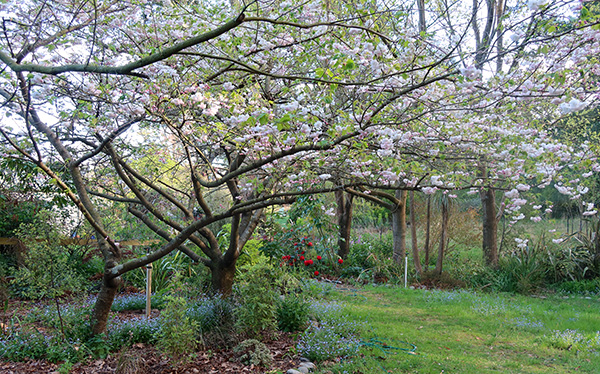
x=142, y=358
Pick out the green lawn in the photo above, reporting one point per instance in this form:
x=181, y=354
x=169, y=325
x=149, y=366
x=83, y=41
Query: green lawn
x=464, y=332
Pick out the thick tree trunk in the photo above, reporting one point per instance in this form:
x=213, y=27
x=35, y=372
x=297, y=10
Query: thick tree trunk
x=344, y=218
x=399, y=227
x=443, y=238
x=222, y=276
x=413, y=234
x=427, y=232
x=490, y=227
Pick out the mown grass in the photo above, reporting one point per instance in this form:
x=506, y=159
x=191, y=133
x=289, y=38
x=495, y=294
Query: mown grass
x=466, y=332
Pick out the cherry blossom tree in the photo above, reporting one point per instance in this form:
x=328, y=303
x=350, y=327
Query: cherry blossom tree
x=269, y=100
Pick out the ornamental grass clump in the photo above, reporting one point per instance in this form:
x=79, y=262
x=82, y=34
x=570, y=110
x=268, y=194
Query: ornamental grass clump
x=211, y=312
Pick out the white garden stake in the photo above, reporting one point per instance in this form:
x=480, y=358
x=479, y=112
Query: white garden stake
x=405, y=271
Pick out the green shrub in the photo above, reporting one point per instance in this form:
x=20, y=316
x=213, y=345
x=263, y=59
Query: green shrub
x=258, y=299
x=177, y=333
x=252, y=352
x=292, y=313
x=586, y=286
x=46, y=270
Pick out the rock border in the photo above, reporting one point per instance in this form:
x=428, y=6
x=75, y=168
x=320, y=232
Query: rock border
x=305, y=367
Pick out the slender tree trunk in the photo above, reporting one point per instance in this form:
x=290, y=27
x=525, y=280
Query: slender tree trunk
x=413, y=234
x=399, y=227
x=427, y=232
x=104, y=301
x=490, y=227
x=421, y=9
x=344, y=218
x=444, y=236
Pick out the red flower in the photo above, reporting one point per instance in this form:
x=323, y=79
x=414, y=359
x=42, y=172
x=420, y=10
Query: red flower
x=340, y=261
x=309, y=244
x=316, y=273
x=302, y=252
x=307, y=262
x=319, y=258
x=301, y=258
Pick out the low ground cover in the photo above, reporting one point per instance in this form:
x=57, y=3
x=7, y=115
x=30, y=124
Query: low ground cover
x=467, y=332
x=343, y=329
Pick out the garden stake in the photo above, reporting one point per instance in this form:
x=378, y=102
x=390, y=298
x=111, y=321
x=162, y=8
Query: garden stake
x=148, y=288
x=405, y=271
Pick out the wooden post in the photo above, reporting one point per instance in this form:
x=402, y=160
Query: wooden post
x=148, y=289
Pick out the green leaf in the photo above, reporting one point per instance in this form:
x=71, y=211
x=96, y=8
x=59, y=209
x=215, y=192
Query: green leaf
x=350, y=65
x=263, y=119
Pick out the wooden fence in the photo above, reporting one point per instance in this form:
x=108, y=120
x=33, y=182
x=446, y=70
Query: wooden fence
x=77, y=241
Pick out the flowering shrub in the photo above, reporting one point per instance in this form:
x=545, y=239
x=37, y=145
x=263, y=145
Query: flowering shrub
x=137, y=330
x=25, y=345
x=291, y=238
x=135, y=302
x=75, y=319
x=328, y=340
x=575, y=340
x=304, y=256
x=19, y=346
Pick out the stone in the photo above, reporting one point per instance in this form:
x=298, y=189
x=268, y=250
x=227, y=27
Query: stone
x=292, y=371
x=308, y=365
x=304, y=359
x=303, y=369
